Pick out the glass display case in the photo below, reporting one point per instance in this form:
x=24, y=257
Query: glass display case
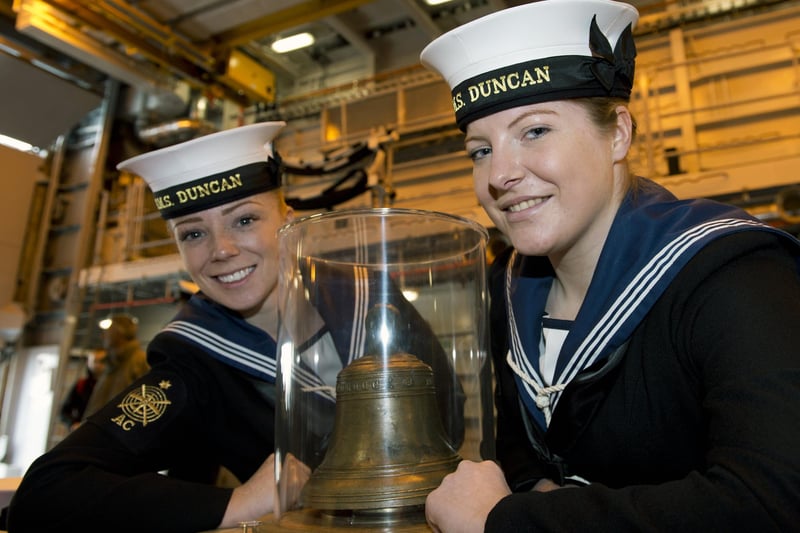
x=384, y=379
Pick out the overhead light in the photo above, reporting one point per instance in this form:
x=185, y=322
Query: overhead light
x=293, y=42
x=436, y=2
x=16, y=144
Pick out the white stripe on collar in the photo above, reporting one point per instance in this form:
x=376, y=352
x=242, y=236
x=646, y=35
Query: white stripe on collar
x=224, y=347
x=257, y=361
x=614, y=318
x=358, y=333
x=637, y=290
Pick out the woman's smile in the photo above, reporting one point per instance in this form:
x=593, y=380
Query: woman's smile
x=525, y=204
x=233, y=277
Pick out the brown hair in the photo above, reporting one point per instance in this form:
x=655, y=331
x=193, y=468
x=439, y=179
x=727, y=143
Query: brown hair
x=602, y=112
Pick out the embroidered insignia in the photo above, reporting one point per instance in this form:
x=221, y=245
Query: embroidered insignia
x=143, y=405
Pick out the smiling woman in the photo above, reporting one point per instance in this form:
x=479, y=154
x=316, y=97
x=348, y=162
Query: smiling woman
x=624, y=321
x=221, y=197
x=230, y=251
x=209, y=398
x=207, y=401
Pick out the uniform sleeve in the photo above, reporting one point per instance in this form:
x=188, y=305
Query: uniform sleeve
x=734, y=331
x=104, y=476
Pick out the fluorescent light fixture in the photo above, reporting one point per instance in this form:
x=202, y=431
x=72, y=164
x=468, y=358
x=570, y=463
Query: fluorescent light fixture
x=293, y=42
x=16, y=144
x=10, y=50
x=436, y=2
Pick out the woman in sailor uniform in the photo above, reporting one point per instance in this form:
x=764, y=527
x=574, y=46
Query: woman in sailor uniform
x=646, y=348
x=209, y=399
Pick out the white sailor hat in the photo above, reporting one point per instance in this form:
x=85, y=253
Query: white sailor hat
x=211, y=170
x=542, y=51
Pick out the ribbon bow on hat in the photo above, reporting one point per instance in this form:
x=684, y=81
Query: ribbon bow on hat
x=621, y=61
x=275, y=165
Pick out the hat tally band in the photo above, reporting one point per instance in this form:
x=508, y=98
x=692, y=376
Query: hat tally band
x=537, y=52
x=218, y=189
x=210, y=170
x=606, y=73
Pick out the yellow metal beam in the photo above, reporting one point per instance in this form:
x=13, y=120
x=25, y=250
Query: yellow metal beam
x=284, y=19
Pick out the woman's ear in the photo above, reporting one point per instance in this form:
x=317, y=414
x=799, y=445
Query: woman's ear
x=623, y=134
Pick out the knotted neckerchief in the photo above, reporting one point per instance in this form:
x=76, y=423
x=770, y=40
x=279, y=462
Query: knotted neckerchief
x=651, y=239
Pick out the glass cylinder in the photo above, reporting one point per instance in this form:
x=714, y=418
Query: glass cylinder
x=384, y=380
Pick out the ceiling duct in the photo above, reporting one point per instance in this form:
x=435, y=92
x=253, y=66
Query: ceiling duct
x=49, y=25
x=127, y=45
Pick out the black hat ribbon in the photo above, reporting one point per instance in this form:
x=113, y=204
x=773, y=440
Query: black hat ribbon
x=621, y=61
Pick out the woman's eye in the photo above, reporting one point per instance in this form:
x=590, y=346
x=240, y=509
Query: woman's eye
x=190, y=235
x=535, y=133
x=479, y=153
x=246, y=220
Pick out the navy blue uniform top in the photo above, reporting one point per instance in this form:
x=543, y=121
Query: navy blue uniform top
x=681, y=404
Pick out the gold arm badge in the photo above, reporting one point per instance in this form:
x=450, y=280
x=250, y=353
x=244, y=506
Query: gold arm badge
x=143, y=405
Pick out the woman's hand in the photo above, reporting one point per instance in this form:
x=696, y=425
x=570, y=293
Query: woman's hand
x=252, y=499
x=256, y=498
x=463, y=500
x=293, y=477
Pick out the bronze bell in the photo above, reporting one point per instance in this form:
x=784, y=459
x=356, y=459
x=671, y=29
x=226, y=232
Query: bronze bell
x=388, y=448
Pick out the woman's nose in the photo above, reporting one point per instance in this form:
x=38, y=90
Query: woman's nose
x=224, y=247
x=506, y=170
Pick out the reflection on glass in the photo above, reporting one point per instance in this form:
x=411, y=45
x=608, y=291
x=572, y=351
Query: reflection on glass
x=378, y=395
